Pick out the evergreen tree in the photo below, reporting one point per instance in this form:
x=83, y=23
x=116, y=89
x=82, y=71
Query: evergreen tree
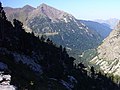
x=56, y=65
x=42, y=38
x=2, y=21
x=2, y=13
x=17, y=24
x=48, y=41
x=92, y=72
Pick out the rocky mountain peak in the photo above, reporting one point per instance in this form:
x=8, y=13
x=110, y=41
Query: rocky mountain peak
x=28, y=7
x=50, y=12
x=44, y=5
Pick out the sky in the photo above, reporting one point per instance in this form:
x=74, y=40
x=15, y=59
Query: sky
x=81, y=9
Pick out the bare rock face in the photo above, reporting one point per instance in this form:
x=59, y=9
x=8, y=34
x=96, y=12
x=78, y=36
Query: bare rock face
x=49, y=11
x=5, y=82
x=108, y=57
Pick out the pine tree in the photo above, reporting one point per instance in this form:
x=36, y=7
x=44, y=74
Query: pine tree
x=2, y=12
x=42, y=38
x=2, y=21
x=17, y=24
x=92, y=72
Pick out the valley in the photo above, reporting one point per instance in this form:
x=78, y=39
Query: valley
x=61, y=27
x=44, y=48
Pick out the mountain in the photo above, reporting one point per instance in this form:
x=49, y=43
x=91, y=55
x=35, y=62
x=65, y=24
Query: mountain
x=61, y=27
x=108, y=53
x=18, y=13
x=110, y=22
x=33, y=63
x=103, y=30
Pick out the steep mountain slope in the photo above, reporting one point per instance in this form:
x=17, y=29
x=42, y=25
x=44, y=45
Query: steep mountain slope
x=103, y=30
x=62, y=28
x=108, y=53
x=33, y=63
x=18, y=13
x=38, y=64
x=111, y=22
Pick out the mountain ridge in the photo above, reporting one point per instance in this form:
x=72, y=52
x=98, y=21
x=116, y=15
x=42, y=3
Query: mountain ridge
x=112, y=22
x=61, y=27
x=102, y=29
x=108, y=57
x=37, y=63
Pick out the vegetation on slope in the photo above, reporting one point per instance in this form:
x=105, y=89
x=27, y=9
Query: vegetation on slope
x=38, y=64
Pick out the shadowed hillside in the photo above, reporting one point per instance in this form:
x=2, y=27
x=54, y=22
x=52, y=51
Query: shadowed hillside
x=36, y=63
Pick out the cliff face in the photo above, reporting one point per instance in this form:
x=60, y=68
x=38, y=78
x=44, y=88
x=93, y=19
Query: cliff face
x=108, y=53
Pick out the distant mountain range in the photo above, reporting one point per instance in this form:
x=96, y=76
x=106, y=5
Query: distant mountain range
x=101, y=28
x=110, y=22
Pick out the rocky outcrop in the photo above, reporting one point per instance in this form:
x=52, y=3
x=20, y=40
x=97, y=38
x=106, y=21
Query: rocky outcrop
x=108, y=53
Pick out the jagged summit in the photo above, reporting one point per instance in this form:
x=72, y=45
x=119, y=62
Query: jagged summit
x=28, y=7
x=50, y=12
x=44, y=5
x=24, y=7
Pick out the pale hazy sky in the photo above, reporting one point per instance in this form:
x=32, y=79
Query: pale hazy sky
x=81, y=9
